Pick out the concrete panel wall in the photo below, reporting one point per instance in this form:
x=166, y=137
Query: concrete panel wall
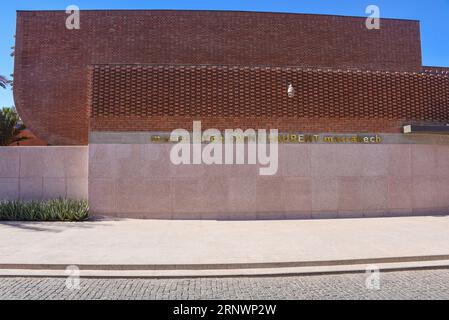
x=313, y=181
x=41, y=173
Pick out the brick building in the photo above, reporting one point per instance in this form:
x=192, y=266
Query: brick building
x=159, y=70
x=125, y=75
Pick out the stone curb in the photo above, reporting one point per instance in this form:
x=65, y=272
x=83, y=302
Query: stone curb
x=184, y=271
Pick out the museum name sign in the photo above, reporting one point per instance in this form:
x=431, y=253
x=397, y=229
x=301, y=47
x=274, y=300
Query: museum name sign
x=289, y=138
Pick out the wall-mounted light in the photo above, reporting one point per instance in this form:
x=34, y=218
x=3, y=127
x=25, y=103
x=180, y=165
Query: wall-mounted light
x=407, y=129
x=291, y=91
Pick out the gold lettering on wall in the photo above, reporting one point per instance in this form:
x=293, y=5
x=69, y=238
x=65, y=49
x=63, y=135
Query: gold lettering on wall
x=294, y=138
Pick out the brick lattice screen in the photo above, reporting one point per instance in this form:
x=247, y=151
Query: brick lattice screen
x=163, y=98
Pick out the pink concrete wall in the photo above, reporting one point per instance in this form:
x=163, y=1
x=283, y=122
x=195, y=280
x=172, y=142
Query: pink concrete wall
x=41, y=173
x=313, y=181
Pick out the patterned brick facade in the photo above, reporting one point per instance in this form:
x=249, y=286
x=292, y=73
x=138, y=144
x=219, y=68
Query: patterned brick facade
x=50, y=83
x=163, y=98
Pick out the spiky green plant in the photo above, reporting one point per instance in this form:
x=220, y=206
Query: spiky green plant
x=52, y=210
x=10, y=127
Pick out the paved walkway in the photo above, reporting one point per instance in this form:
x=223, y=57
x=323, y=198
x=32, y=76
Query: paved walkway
x=430, y=284
x=161, y=242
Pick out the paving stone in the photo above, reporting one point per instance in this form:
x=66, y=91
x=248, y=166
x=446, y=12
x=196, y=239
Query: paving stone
x=423, y=284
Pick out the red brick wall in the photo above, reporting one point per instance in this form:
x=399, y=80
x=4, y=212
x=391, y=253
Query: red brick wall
x=50, y=85
x=163, y=98
x=284, y=124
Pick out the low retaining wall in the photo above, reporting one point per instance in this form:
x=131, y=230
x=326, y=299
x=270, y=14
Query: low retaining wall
x=313, y=181
x=41, y=173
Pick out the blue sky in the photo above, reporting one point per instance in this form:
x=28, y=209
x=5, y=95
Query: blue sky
x=433, y=14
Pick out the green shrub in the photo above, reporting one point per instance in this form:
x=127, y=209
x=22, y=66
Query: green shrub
x=52, y=210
